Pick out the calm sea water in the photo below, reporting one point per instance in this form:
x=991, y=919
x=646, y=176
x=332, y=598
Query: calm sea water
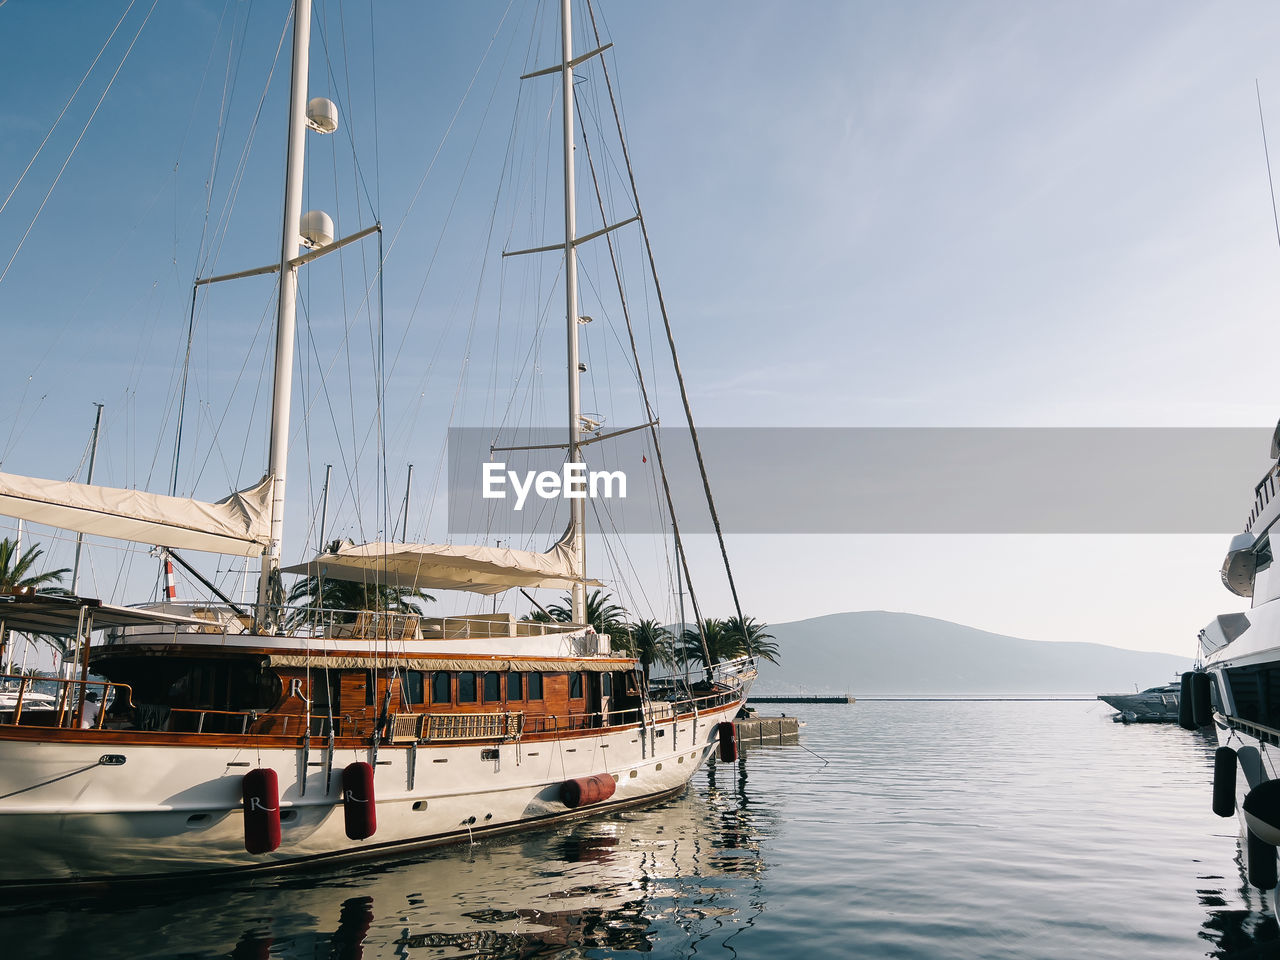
x=934, y=829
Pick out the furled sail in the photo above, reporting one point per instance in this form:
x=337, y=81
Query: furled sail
x=239, y=524
x=438, y=566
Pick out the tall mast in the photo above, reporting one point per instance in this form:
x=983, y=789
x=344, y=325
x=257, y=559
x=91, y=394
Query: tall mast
x=577, y=506
x=286, y=313
x=93, y=456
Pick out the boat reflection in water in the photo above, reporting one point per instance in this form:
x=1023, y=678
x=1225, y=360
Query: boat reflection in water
x=660, y=879
x=1237, y=921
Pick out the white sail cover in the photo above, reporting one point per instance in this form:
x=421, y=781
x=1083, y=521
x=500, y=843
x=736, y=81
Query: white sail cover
x=239, y=524
x=438, y=566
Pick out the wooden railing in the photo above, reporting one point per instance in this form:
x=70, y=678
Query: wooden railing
x=65, y=705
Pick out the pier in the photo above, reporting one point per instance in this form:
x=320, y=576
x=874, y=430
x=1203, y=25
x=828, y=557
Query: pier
x=759, y=730
x=818, y=698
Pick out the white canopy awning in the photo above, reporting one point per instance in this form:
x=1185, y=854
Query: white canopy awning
x=239, y=524
x=437, y=566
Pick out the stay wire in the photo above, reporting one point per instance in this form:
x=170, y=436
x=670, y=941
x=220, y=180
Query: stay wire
x=75, y=146
x=65, y=107
x=666, y=322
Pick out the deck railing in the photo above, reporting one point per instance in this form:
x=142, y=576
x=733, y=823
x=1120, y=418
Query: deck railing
x=338, y=623
x=64, y=706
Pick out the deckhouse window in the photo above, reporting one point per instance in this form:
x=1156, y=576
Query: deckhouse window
x=325, y=689
x=515, y=686
x=492, y=687
x=411, y=687
x=440, y=687
x=466, y=687
x=535, y=687
x=1256, y=692
x=575, y=686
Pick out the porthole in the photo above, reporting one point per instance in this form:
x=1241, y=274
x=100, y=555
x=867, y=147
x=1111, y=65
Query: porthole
x=197, y=820
x=633, y=774
x=657, y=767
x=489, y=754
x=679, y=759
x=288, y=816
x=419, y=805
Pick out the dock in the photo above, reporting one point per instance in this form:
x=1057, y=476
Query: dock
x=761, y=730
x=818, y=698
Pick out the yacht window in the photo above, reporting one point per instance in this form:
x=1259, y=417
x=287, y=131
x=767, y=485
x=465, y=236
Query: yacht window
x=606, y=684
x=535, y=687
x=466, y=687
x=575, y=686
x=1262, y=555
x=492, y=687
x=411, y=687
x=1256, y=692
x=440, y=692
x=325, y=692
x=515, y=686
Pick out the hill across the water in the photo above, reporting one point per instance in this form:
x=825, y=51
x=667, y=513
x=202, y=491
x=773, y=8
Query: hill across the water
x=874, y=652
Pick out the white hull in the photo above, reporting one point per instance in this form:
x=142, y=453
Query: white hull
x=65, y=816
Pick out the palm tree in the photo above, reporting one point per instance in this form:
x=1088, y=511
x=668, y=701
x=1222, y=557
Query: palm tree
x=604, y=615
x=16, y=576
x=344, y=599
x=649, y=642
x=721, y=643
x=755, y=642
x=728, y=639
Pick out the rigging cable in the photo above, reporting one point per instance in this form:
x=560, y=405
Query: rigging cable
x=1267, y=153
x=67, y=106
x=75, y=146
x=666, y=322
x=648, y=409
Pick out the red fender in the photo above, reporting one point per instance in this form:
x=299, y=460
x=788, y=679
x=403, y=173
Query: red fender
x=587, y=790
x=261, y=791
x=358, y=809
x=728, y=734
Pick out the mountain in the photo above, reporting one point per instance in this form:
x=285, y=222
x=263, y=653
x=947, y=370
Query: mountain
x=875, y=652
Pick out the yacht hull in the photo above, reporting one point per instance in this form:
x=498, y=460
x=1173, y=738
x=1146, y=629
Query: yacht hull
x=87, y=809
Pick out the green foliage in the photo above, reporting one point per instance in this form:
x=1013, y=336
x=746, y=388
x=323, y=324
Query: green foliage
x=345, y=598
x=16, y=576
x=648, y=641
x=728, y=639
x=16, y=570
x=604, y=615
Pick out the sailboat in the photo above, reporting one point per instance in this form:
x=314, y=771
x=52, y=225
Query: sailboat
x=192, y=740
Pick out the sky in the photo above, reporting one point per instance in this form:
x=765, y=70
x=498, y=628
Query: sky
x=919, y=214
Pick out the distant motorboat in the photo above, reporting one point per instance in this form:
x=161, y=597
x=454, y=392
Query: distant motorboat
x=31, y=700
x=1153, y=705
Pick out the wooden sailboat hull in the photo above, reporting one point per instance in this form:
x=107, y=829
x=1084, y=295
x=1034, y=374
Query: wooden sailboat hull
x=85, y=808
